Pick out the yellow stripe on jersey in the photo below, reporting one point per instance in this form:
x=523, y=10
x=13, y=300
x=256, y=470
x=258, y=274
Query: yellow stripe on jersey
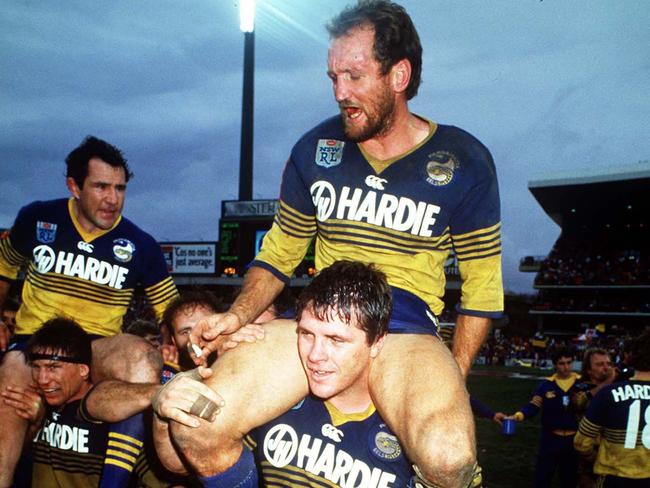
x=11, y=259
x=290, y=473
x=126, y=438
x=98, y=318
x=588, y=428
x=160, y=295
x=421, y=273
x=295, y=223
x=126, y=447
x=249, y=442
x=112, y=454
x=119, y=464
x=374, y=237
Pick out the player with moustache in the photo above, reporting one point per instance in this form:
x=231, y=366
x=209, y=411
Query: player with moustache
x=377, y=184
x=83, y=259
x=615, y=431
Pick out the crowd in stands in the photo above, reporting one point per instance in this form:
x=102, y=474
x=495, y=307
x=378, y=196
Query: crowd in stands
x=576, y=262
x=629, y=303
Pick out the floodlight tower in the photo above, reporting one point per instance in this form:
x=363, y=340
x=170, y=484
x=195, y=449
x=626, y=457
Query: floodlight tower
x=247, y=26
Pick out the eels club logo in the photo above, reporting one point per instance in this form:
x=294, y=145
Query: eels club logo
x=441, y=167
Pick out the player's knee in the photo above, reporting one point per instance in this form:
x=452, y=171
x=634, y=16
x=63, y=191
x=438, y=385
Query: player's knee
x=147, y=363
x=446, y=455
x=128, y=358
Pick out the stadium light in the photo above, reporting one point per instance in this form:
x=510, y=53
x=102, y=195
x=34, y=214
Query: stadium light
x=247, y=25
x=247, y=15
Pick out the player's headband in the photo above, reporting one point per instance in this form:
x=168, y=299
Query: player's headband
x=37, y=356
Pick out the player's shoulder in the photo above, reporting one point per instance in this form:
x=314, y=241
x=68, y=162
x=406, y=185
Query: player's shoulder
x=133, y=232
x=329, y=129
x=468, y=148
x=45, y=208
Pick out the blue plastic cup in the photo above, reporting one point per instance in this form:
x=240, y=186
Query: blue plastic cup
x=508, y=426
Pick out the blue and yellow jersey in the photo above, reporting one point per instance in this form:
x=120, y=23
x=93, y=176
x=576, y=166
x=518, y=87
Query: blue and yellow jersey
x=88, y=278
x=70, y=450
x=617, y=425
x=315, y=445
x=553, y=398
x=404, y=215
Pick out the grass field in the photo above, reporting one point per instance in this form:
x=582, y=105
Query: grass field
x=507, y=461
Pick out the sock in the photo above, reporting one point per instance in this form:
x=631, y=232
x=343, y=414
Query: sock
x=125, y=440
x=243, y=474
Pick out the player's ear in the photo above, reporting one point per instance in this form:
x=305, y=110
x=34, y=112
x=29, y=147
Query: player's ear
x=84, y=371
x=73, y=187
x=400, y=75
x=376, y=346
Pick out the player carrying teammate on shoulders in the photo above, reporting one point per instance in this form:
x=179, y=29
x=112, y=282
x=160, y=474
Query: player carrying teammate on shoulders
x=83, y=260
x=376, y=184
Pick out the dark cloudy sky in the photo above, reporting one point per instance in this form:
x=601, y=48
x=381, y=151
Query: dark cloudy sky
x=549, y=86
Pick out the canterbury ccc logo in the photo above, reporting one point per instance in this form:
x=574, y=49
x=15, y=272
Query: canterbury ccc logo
x=375, y=182
x=328, y=430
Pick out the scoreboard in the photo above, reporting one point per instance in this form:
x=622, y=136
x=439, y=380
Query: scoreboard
x=242, y=227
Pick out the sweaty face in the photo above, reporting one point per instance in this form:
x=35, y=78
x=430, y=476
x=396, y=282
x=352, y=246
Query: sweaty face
x=364, y=95
x=563, y=367
x=60, y=382
x=100, y=201
x=182, y=324
x=600, y=366
x=336, y=357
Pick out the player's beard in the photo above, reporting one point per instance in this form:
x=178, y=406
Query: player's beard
x=379, y=118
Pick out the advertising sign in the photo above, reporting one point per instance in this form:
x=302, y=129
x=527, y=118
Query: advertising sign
x=190, y=258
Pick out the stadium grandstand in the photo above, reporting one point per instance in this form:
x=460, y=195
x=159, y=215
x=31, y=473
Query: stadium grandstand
x=597, y=275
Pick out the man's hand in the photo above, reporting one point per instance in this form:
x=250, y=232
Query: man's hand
x=248, y=333
x=208, y=334
x=27, y=403
x=169, y=353
x=499, y=417
x=184, y=398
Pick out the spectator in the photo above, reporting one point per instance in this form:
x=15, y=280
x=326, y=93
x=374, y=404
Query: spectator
x=559, y=424
x=597, y=372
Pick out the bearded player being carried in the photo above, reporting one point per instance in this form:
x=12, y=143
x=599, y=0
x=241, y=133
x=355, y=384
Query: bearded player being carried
x=379, y=185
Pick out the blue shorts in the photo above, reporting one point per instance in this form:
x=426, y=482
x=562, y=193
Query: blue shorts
x=411, y=315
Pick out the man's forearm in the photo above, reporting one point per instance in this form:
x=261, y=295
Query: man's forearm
x=469, y=334
x=165, y=448
x=258, y=292
x=114, y=400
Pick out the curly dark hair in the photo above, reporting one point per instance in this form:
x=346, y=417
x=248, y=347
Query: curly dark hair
x=395, y=35
x=190, y=299
x=93, y=147
x=348, y=290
